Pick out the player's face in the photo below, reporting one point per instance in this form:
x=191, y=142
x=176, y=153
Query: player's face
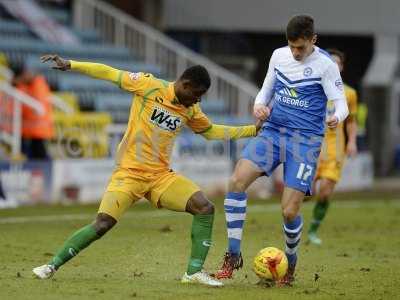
x=189, y=94
x=301, y=48
x=339, y=62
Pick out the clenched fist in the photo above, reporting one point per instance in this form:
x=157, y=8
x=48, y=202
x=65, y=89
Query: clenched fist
x=332, y=121
x=261, y=112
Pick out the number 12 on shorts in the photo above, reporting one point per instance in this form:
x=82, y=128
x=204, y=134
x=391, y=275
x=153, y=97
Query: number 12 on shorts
x=304, y=172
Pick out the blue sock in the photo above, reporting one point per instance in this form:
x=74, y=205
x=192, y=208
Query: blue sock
x=235, y=214
x=292, y=231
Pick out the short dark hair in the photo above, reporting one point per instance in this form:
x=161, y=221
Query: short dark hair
x=18, y=70
x=338, y=53
x=300, y=27
x=198, y=76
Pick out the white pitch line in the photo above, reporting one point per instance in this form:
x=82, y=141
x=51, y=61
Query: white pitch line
x=257, y=208
x=73, y=217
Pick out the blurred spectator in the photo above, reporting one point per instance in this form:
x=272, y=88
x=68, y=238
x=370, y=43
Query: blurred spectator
x=36, y=129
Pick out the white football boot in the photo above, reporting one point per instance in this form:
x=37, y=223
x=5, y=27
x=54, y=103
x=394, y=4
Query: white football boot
x=201, y=277
x=8, y=203
x=44, y=272
x=314, y=239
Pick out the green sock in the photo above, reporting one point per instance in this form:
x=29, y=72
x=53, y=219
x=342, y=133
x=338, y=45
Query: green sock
x=319, y=213
x=75, y=243
x=201, y=242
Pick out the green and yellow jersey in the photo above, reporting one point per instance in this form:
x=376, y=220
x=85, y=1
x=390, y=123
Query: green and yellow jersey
x=156, y=118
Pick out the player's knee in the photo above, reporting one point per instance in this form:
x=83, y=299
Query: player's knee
x=199, y=204
x=236, y=184
x=207, y=209
x=289, y=213
x=326, y=190
x=324, y=194
x=103, y=223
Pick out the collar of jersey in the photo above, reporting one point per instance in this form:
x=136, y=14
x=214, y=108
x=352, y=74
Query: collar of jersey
x=171, y=92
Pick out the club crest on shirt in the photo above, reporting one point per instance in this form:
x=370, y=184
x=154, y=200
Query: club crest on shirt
x=164, y=119
x=307, y=72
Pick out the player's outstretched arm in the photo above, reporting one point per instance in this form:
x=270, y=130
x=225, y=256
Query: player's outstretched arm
x=95, y=70
x=223, y=132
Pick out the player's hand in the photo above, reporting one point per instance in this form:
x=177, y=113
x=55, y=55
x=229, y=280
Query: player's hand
x=59, y=62
x=259, y=124
x=332, y=121
x=261, y=112
x=351, y=149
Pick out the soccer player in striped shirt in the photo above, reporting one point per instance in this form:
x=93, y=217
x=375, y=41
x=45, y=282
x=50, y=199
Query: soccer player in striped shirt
x=293, y=99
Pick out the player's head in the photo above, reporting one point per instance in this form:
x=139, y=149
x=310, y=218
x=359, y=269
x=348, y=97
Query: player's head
x=22, y=75
x=338, y=56
x=301, y=36
x=193, y=83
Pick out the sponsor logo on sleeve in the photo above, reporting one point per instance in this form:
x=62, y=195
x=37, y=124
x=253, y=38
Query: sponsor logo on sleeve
x=134, y=76
x=339, y=84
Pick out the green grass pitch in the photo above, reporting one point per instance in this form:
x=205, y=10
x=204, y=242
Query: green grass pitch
x=144, y=256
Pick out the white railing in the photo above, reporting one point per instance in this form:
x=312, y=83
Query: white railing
x=61, y=105
x=153, y=47
x=11, y=101
x=6, y=73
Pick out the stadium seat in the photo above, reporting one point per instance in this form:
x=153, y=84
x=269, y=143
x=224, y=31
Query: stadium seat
x=18, y=49
x=15, y=29
x=214, y=106
x=117, y=106
x=33, y=62
x=228, y=119
x=59, y=15
x=87, y=98
x=70, y=99
x=81, y=82
x=22, y=47
x=83, y=131
x=88, y=36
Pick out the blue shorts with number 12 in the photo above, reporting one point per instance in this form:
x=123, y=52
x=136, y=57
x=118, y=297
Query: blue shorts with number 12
x=298, y=152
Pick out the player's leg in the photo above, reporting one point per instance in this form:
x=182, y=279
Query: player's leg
x=181, y=194
x=245, y=173
x=121, y=193
x=299, y=171
x=82, y=238
x=106, y=218
x=292, y=226
x=235, y=206
x=259, y=157
x=326, y=188
x=328, y=173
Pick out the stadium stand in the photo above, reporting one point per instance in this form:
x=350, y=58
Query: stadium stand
x=22, y=47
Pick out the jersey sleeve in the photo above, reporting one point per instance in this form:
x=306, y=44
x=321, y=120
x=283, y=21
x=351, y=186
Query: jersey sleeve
x=199, y=122
x=332, y=83
x=334, y=90
x=135, y=82
x=265, y=94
